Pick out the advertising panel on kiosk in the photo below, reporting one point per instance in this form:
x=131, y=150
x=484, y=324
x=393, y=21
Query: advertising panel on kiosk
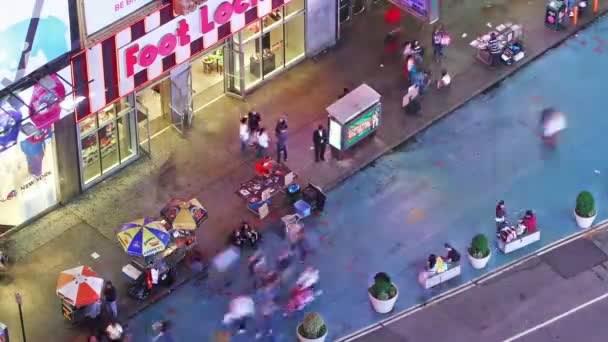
x=425, y=10
x=354, y=117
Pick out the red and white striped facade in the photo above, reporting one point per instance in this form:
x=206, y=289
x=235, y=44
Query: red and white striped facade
x=99, y=72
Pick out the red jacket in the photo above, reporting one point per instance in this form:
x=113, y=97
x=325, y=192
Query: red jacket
x=530, y=223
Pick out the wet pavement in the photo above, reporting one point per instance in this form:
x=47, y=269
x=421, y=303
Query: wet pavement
x=216, y=169
x=529, y=301
x=443, y=188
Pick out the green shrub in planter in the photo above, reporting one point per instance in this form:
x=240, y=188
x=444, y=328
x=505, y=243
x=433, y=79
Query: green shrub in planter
x=383, y=288
x=313, y=326
x=585, y=204
x=479, y=247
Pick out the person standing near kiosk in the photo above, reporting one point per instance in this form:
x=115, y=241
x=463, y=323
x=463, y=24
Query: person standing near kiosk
x=319, y=139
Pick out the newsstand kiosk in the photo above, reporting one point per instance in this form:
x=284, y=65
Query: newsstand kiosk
x=353, y=118
x=555, y=14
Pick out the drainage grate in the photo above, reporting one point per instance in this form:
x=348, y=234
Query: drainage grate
x=574, y=257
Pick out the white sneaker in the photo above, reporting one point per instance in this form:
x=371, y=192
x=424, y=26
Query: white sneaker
x=258, y=336
x=240, y=332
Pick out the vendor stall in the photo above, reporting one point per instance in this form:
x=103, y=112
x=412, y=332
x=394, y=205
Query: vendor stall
x=80, y=291
x=272, y=178
x=509, y=36
x=353, y=117
x=555, y=15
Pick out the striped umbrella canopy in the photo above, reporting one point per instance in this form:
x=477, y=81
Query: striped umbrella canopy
x=143, y=237
x=184, y=215
x=79, y=286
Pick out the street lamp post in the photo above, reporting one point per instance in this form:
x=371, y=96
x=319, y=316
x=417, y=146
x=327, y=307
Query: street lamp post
x=19, y=300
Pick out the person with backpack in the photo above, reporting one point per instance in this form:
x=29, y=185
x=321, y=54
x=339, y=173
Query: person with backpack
x=438, y=43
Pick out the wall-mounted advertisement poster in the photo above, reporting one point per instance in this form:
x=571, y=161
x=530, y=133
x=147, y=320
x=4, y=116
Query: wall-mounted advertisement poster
x=103, y=13
x=33, y=33
x=426, y=10
x=27, y=154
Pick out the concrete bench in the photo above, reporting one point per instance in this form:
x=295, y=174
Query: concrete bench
x=428, y=280
x=520, y=242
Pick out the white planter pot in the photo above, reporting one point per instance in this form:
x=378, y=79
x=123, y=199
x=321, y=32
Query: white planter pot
x=479, y=263
x=304, y=339
x=383, y=306
x=584, y=222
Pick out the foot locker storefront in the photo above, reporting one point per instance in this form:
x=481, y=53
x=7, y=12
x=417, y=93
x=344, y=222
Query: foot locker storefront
x=156, y=73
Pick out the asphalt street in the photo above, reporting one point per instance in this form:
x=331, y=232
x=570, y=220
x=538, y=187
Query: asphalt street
x=560, y=295
x=582, y=323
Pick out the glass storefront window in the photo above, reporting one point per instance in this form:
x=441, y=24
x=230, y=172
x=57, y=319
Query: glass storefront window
x=253, y=62
x=294, y=38
x=249, y=32
x=90, y=158
x=113, y=143
x=273, y=19
x=126, y=138
x=108, y=146
x=272, y=50
x=208, y=77
x=293, y=7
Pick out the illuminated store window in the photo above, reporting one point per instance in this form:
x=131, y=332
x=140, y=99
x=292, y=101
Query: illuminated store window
x=294, y=38
x=107, y=140
x=293, y=7
x=273, y=42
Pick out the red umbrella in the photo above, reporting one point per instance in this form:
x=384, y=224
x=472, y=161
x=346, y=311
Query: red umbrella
x=392, y=15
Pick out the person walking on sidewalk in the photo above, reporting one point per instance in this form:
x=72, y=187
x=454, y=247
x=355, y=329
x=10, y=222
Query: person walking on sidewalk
x=295, y=237
x=263, y=142
x=319, y=139
x=244, y=134
x=267, y=308
x=241, y=309
x=110, y=297
x=438, y=42
x=281, y=133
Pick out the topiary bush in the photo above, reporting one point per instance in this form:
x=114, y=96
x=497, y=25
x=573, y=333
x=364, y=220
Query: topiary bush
x=313, y=326
x=585, y=204
x=479, y=247
x=383, y=288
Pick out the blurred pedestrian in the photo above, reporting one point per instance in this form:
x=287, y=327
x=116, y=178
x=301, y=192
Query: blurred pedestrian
x=241, y=309
x=163, y=330
x=320, y=139
x=244, y=135
x=263, y=142
x=438, y=42
x=295, y=237
x=110, y=297
x=114, y=331
x=267, y=307
x=445, y=79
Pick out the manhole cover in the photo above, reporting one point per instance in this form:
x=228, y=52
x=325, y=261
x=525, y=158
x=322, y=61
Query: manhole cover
x=574, y=257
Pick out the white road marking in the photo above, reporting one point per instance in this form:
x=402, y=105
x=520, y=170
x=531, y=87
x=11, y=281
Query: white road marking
x=557, y=318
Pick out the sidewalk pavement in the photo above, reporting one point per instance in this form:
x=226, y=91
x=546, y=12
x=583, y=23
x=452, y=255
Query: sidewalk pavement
x=207, y=163
x=504, y=304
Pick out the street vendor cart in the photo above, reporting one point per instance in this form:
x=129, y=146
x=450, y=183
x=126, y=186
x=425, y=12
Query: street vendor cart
x=352, y=118
x=79, y=289
x=510, y=42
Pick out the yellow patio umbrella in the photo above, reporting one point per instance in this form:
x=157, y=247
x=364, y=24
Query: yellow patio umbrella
x=184, y=215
